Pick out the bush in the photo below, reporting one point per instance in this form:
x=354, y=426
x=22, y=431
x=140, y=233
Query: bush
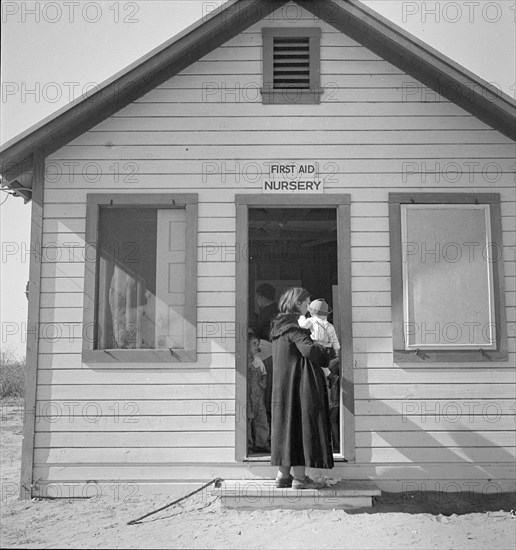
x=12, y=375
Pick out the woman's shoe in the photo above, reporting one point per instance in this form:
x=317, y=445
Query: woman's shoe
x=284, y=482
x=307, y=483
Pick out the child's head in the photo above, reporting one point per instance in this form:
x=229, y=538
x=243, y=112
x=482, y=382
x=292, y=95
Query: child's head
x=319, y=308
x=253, y=343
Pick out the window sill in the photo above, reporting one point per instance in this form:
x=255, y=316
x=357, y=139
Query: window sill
x=291, y=96
x=449, y=356
x=139, y=356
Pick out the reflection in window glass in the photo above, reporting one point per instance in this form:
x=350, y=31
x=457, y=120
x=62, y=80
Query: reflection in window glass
x=141, y=278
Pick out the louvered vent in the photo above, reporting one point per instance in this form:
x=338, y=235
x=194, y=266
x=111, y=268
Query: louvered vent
x=291, y=62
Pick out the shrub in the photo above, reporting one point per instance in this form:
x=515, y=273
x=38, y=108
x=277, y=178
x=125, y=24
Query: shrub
x=12, y=375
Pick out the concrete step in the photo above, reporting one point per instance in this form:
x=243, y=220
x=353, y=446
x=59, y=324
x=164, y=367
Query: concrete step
x=262, y=493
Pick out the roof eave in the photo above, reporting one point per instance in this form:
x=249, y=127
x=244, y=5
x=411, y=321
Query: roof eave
x=129, y=85
x=384, y=38
x=432, y=68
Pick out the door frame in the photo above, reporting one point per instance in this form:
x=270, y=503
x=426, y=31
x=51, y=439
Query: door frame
x=341, y=203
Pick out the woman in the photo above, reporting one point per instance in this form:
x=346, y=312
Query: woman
x=301, y=431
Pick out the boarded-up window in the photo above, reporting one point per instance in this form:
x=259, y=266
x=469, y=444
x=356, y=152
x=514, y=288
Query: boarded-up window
x=140, y=297
x=446, y=278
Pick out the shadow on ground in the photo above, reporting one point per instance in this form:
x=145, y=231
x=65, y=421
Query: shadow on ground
x=441, y=502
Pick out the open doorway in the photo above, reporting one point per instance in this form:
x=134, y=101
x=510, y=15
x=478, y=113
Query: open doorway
x=287, y=247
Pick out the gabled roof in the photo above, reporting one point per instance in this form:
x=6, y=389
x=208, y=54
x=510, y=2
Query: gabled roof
x=360, y=23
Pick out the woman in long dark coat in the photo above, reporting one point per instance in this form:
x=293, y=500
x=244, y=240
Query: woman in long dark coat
x=301, y=430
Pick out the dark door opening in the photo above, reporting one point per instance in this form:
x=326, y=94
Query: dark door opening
x=287, y=247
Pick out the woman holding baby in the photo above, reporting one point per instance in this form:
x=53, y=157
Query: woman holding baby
x=301, y=432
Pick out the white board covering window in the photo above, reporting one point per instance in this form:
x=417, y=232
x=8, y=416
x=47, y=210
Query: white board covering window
x=140, y=278
x=447, y=278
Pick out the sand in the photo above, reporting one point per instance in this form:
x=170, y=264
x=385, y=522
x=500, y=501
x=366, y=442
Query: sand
x=397, y=520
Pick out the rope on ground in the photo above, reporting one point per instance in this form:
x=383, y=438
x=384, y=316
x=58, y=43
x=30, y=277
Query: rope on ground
x=215, y=481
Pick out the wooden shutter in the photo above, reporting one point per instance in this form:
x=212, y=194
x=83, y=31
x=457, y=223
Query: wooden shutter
x=171, y=278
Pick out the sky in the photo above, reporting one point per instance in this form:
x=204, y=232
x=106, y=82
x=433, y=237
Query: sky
x=54, y=51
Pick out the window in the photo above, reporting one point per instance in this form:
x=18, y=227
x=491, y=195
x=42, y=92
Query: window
x=291, y=65
x=140, y=278
x=447, y=277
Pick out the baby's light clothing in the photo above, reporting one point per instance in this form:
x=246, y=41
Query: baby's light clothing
x=321, y=330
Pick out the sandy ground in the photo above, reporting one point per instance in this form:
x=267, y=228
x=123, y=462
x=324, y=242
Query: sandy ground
x=409, y=520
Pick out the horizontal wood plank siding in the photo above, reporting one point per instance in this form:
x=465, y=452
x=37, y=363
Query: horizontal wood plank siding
x=206, y=131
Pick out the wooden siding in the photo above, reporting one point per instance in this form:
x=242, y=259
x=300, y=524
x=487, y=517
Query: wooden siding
x=206, y=131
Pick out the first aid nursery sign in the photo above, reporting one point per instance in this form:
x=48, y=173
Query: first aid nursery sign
x=293, y=178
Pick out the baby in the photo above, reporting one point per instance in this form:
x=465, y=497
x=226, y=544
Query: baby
x=321, y=330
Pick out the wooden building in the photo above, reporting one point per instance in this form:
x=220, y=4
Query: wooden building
x=311, y=143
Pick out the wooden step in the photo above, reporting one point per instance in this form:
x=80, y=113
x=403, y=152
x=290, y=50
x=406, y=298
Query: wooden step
x=262, y=493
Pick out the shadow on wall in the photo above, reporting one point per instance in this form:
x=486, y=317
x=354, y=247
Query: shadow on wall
x=453, y=442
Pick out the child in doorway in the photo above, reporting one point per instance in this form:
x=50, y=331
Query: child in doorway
x=257, y=424
x=321, y=330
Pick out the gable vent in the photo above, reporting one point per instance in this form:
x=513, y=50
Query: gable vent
x=291, y=59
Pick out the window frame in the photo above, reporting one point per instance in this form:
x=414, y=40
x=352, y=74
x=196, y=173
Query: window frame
x=94, y=202
x=402, y=350
x=291, y=96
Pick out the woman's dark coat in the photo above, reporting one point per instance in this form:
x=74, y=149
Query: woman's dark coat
x=301, y=430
